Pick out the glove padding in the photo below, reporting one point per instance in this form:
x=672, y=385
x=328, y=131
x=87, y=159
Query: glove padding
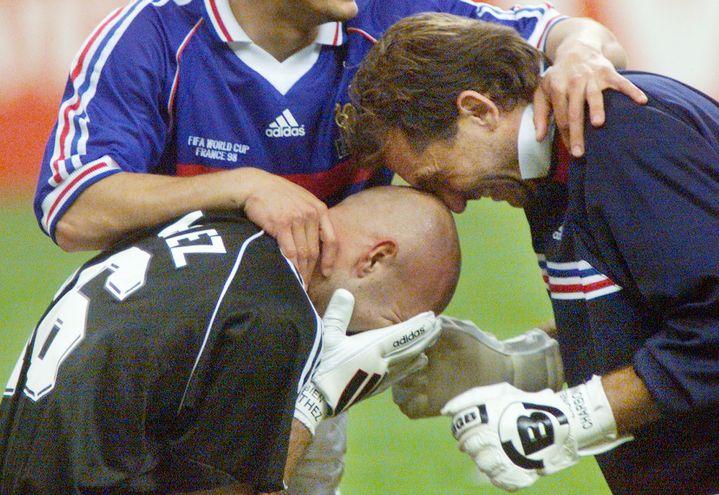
x=465, y=357
x=355, y=367
x=514, y=436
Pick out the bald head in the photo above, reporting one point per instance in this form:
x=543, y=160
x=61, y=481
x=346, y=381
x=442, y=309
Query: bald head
x=398, y=254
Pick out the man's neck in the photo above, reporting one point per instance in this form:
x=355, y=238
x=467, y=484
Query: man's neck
x=272, y=27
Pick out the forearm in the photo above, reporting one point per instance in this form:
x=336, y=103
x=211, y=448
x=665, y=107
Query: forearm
x=583, y=33
x=300, y=439
x=126, y=202
x=632, y=404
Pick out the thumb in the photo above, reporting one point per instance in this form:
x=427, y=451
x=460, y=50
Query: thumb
x=338, y=313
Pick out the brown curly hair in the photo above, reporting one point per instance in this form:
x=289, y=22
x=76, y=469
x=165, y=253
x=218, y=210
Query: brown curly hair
x=411, y=78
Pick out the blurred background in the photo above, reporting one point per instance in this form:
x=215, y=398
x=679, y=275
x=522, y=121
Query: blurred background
x=500, y=287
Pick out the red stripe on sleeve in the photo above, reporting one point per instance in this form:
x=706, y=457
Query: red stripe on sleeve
x=321, y=184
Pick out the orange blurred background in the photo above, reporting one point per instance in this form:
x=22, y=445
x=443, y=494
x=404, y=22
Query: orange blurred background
x=39, y=38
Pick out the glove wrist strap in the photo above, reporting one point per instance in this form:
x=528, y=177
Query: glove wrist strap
x=311, y=407
x=594, y=427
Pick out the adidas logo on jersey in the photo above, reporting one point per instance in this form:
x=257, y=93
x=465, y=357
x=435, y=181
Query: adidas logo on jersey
x=285, y=125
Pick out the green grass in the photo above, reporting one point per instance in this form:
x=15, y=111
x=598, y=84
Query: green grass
x=500, y=289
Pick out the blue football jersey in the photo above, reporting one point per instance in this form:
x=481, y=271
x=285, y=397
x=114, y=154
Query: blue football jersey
x=178, y=88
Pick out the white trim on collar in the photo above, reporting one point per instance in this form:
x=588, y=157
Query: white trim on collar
x=229, y=30
x=330, y=33
x=534, y=157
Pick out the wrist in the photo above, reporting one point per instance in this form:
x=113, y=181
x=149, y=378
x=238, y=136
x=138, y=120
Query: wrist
x=310, y=407
x=593, y=425
x=579, y=49
x=232, y=189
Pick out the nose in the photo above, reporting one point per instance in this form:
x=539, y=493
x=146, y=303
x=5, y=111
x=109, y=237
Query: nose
x=454, y=201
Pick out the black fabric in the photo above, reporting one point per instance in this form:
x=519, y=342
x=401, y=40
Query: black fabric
x=186, y=382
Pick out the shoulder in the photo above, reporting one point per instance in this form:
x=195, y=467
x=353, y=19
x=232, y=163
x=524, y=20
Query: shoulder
x=379, y=15
x=677, y=122
x=532, y=23
x=152, y=25
x=658, y=156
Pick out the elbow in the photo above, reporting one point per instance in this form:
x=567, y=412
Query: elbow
x=73, y=238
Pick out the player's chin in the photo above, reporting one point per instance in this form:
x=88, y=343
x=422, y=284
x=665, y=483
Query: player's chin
x=516, y=194
x=343, y=10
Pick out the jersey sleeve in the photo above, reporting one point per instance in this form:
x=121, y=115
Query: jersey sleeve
x=651, y=178
x=113, y=115
x=533, y=23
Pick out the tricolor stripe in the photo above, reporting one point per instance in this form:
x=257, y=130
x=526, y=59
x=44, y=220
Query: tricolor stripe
x=72, y=133
x=554, y=18
x=321, y=184
x=575, y=280
x=546, y=16
x=55, y=202
x=176, y=79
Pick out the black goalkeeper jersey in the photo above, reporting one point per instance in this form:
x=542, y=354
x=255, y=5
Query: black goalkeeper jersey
x=168, y=363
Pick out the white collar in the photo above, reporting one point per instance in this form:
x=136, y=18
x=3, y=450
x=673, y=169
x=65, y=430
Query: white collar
x=534, y=157
x=229, y=30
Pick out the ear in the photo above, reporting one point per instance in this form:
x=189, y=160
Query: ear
x=376, y=257
x=474, y=105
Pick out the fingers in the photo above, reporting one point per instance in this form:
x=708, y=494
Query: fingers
x=293, y=216
x=567, y=99
x=409, y=338
x=411, y=396
x=575, y=116
x=305, y=235
x=286, y=242
x=329, y=245
x=542, y=113
x=402, y=369
x=475, y=397
x=399, y=370
x=570, y=88
x=595, y=102
x=625, y=86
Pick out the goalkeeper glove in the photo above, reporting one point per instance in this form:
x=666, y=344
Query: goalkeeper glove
x=465, y=357
x=514, y=436
x=355, y=367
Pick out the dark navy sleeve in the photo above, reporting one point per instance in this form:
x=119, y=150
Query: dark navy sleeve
x=114, y=112
x=652, y=181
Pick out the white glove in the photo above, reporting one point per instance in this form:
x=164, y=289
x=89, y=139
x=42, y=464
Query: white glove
x=514, y=437
x=355, y=367
x=465, y=357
